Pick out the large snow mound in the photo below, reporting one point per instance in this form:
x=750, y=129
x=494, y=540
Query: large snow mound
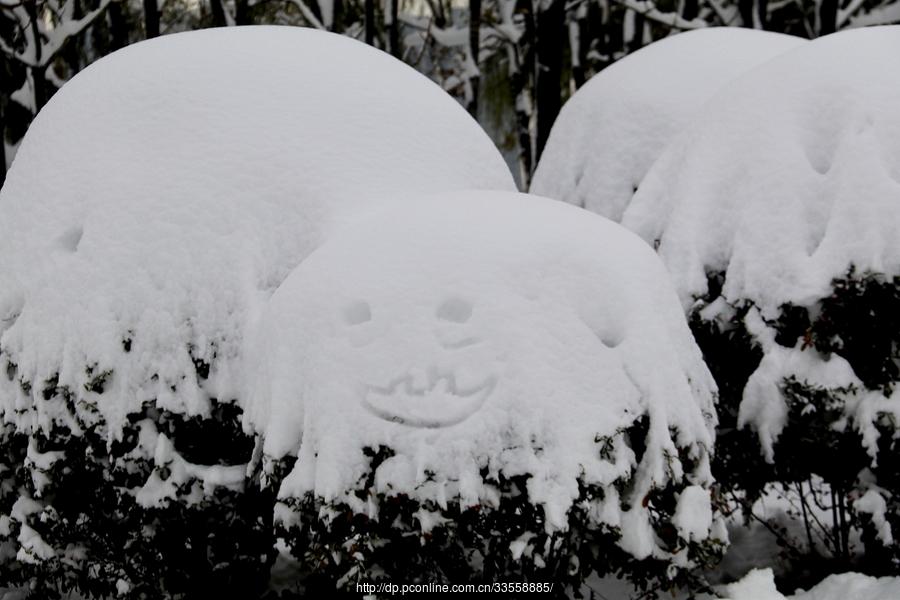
x=610, y=132
x=791, y=178
x=760, y=585
x=167, y=189
x=792, y=175
x=486, y=332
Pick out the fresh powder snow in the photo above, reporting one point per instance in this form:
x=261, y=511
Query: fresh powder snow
x=486, y=331
x=791, y=177
x=610, y=132
x=760, y=585
x=164, y=193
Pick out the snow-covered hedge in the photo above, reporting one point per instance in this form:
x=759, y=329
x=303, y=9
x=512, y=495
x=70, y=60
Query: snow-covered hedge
x=778, y=216
x=157, y=202
x=485, y=387
x=609, y=133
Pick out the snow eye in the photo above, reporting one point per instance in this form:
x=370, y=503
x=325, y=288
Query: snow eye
x=610, y=339
x=71, y=238
x=454, y=310
x=357, y=313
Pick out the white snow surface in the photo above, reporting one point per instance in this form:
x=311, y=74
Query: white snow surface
x=609, y=133
x=482, y=330
x=166, y=191
x=760, y=585
x=693, y=515
x=873, y=503
x=791, y=176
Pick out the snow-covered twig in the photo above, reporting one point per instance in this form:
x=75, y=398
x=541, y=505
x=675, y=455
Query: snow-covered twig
x=810, y=514
x=747, y=511
x=728, y=15
x=425, y=38
x=886, y=14
x=52, y=41
x=648, y=10
x=844, y=14
x=308, y=14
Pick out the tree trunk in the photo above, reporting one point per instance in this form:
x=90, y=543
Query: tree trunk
x=394, y=31
x=475, y=48
x=118, y=29
x=218, y=13
x=598, y=27
x=578, y=50
x=337, y=23
x=2, y=143
x=437, y=11
x=845, y=526
x=691, y=10
x=550, y=40
x=745, y=8
x=39, y=80
x=241, y=15
x=37, y=73
x=151, y=19
x=519, y=81
x=73, y=50
x=370, y=22
x=637, y=42
x=754, y=19
x=828, y=11
x=316, y=10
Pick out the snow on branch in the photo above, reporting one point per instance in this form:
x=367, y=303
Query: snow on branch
x=726, y=15
x=844, y=14
x=648, y=9
x=38, y=53
x=886, y=14
x=308, y=14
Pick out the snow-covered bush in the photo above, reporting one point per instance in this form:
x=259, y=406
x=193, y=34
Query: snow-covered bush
x=610, y=132
x=155, y=204
x=778, y=216
x=485, y=387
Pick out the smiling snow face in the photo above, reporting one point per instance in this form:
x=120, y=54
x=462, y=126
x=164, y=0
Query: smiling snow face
x=440, y=402
x=445, y=388
x=478, y=331
x=404, y=345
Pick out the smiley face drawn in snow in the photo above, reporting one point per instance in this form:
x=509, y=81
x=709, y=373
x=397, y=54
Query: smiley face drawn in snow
x=455, y=341
x=439, y=403
x=441, y=393
x=459, y=325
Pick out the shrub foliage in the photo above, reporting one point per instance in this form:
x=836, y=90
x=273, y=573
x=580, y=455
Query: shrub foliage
x=822, y=465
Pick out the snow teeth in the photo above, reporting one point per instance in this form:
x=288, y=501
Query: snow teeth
x=434, y=383
x=440, y=403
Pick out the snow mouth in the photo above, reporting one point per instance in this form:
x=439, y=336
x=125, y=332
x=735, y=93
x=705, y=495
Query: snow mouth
x=442, y=402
